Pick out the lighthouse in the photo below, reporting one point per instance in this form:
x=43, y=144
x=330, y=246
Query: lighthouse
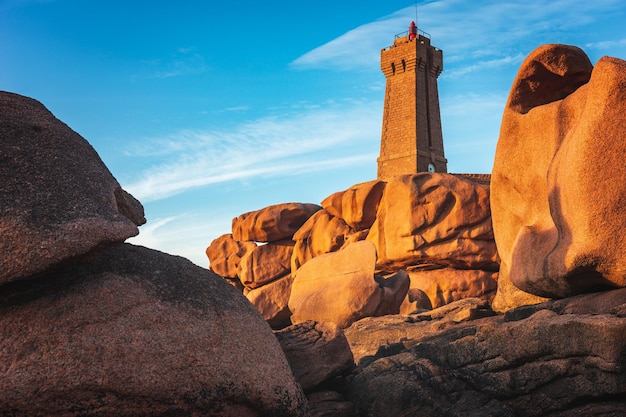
x=411, y=139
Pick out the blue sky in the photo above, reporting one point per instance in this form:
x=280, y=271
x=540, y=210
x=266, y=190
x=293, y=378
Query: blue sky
x=205, y=110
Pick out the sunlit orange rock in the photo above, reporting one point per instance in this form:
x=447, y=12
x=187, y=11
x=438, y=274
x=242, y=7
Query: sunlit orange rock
x=322, y=233
x=438, y=219
x=225, y=253
x=265, y=263
x=558, y=182
x=443, y=286
x=357, y=206
x=271, y=300
x=340, y=287
x=272, y=223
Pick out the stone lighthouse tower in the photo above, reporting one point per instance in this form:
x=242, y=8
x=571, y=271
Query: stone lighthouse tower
x=411, y=136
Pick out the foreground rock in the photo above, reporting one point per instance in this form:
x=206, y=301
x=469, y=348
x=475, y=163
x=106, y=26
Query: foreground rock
x=57, y=198
x=563, y=119
x=139, y=332
x=555, y=359
x=316, y=352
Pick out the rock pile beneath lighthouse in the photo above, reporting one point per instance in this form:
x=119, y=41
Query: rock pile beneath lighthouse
x=551, y=342
x=415, y=241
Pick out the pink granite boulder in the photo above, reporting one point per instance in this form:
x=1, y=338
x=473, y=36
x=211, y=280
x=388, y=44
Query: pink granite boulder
x=58, y=201
x=136, y=332
x=558, y=193
x=272, y=223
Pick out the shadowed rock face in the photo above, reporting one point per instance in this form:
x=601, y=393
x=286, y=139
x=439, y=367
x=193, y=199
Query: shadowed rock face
x=557, y=193
x=139, y=332
x=559, y=358
x=57, y=198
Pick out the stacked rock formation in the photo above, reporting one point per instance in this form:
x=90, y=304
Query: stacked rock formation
x=552, y=341
x=415, y=241
x=92, y=326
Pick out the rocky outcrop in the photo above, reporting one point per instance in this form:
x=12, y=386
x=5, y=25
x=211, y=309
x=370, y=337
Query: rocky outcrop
x=138, y=332
x=340, y=288
x=445, y=285
x=322, y=233
x=265, y=263
x=436, y=227
x=58, y=200
x=538, y=361
x=562, y=120
x=91, y=326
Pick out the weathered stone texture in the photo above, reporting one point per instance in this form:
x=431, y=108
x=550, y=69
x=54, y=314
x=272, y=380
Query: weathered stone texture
x=316, y=352
x=340, y=287
x=138, y=332
x=443, y=286
x=272, y=223
x=434, y=219
x=58, y=200
x=225, y=254
x=265, y=263
x=556, y=130
x=272, y=301
x=540, y=364
x=358, y=205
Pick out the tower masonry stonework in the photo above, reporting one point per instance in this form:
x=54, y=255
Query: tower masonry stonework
x=411, y=139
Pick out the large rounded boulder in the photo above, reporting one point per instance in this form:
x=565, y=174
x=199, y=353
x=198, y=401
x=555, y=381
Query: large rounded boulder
x=57, y=198
x=139, y=332
x=557, y=192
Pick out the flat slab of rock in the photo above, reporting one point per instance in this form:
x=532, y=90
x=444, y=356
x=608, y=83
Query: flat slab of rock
x=272, y=223
x=542, y=364
x=374, y=337
x=57, y=198
x=138, y=332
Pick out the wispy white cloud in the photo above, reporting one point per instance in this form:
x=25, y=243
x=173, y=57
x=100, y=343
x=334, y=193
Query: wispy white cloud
x=185, y=234
x=184, y=62
x=483, y=65
x=464, y=31
x=237, y=108
x=603, y=45
x=292, y=144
